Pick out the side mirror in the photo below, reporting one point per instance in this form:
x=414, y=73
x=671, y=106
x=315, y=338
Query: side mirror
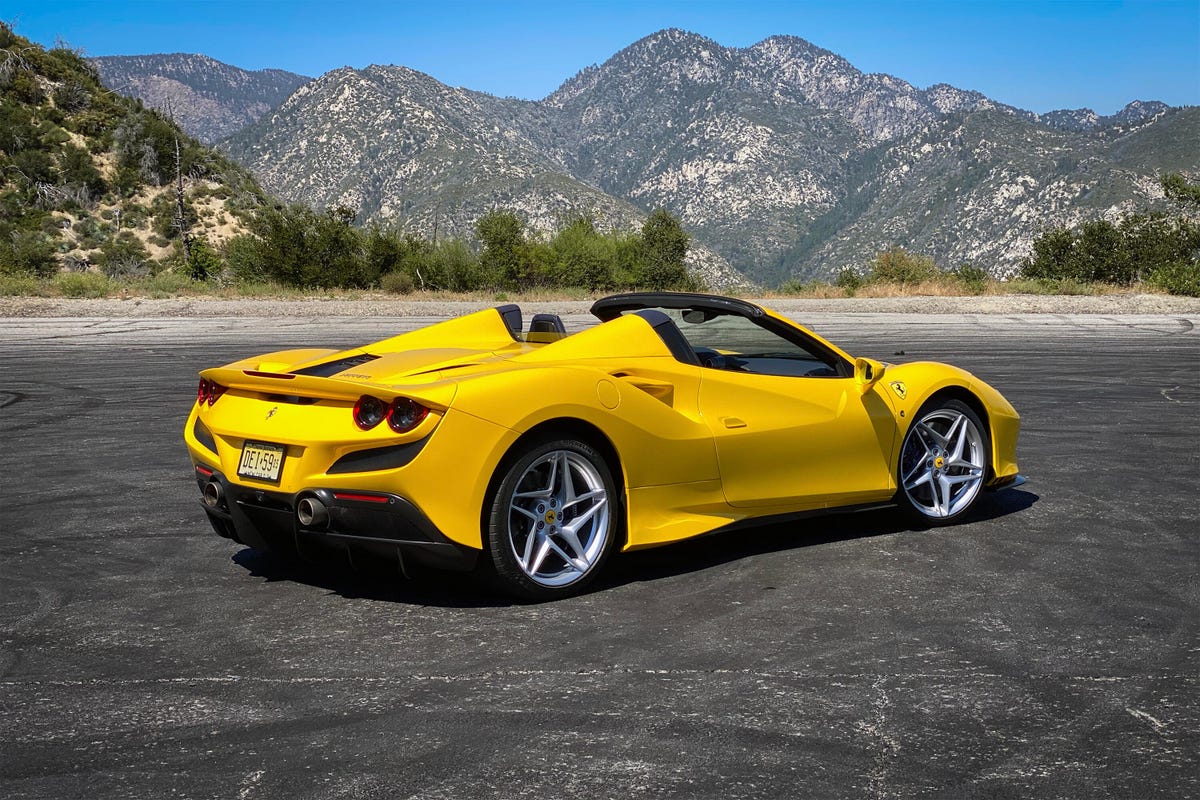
x=866, y=372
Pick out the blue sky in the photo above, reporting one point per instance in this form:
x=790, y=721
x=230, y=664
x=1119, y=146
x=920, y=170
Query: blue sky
x=1035, y=55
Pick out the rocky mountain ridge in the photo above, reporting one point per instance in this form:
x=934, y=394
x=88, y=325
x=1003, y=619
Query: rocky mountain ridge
x=209, y=99
x=782, y=157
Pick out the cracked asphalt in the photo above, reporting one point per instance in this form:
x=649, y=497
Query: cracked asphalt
x=1046, y=648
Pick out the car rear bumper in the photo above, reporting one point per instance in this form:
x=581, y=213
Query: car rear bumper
x=354, y=523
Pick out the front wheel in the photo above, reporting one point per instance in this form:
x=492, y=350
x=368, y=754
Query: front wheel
x=943, y=463
x=554, y=519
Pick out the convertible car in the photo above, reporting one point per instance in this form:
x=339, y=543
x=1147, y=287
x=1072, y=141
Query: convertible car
x=533, y=453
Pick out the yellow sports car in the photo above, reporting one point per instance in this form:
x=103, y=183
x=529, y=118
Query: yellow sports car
x=533, y=453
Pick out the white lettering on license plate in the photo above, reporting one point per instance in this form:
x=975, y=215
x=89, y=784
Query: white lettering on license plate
x=261, y=460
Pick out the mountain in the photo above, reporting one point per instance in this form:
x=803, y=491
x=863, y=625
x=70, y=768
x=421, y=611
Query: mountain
x=978, y=188
x=210, y=100
x=1084, y=119
x=395, y=144
x=782, y=158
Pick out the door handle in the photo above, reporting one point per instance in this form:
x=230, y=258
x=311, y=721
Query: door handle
x=733, y=422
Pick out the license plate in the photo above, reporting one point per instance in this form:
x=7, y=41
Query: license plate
x=262, y=461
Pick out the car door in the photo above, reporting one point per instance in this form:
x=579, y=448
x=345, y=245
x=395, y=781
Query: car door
x=790, y=424
x=808, y=442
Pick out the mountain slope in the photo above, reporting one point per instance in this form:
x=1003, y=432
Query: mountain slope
x=209, y=99
x=87, y=176
x=978, y=188
x=781, y=157
x=392, y=143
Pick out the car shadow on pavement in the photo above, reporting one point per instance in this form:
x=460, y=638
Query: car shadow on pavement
x=370, y=579
x=378, y=580
x=728, y=545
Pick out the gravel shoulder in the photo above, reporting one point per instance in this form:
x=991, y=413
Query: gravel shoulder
x=386, y=306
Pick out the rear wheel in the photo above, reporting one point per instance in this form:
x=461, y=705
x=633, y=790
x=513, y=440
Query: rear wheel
x=943, y=462
x=554, y=519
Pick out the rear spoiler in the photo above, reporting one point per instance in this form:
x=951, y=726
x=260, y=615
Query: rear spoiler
x=436, y=395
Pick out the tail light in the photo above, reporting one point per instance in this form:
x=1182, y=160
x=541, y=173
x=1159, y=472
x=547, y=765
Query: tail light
x=209, y=391
x=369, y=412
x=406, y=414
x=402, y=415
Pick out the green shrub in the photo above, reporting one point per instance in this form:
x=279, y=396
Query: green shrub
x=82, y=284
x=453, y=266
x=71, y=97
x=30, y=253
x=91, y=232
x=398, y=283
x=243, y=259
x=36, y=166
x=18, y=285
x=203, y=262
x=164, y=210
x=123, y=256
x=580, y=256
x=168, y=283
x=849, y=280
x=897, y=265
x=52, y=135
x=1181, y=278
x=972, y=278
x=1099, y=251
x=134, y=215
x=78, y=168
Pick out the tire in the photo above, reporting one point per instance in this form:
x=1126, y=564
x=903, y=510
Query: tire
x=549, y=536
x=943, y=463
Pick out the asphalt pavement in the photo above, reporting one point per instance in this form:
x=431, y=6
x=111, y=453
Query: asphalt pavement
x=1046, y=648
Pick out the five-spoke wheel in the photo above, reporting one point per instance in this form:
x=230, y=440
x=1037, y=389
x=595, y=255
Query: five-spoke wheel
x=943, y=462
x=553, y=519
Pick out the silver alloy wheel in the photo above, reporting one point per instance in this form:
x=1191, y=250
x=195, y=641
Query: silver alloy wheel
x=943, y=463
x=558, y=518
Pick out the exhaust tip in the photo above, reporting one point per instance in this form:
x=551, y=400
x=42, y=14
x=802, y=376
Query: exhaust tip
x=311, y=513
x=213, y=494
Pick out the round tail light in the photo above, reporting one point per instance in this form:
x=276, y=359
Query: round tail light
x=369, y=412
x=406, y=414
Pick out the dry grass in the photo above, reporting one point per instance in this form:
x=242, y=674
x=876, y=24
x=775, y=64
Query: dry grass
x=169, y=284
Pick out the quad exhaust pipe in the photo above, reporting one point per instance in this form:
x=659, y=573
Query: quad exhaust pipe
x=312, y=513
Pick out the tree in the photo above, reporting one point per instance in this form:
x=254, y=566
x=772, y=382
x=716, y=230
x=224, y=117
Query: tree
x=502, y=235
x=1177, y=188
x=584, y=257
x=181, y=218
x=335, y=247
x=1099, y=254
x=383, y=250
x=1051, y=257
x=201, y=260
x=1098, y=251
x=664, y=247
